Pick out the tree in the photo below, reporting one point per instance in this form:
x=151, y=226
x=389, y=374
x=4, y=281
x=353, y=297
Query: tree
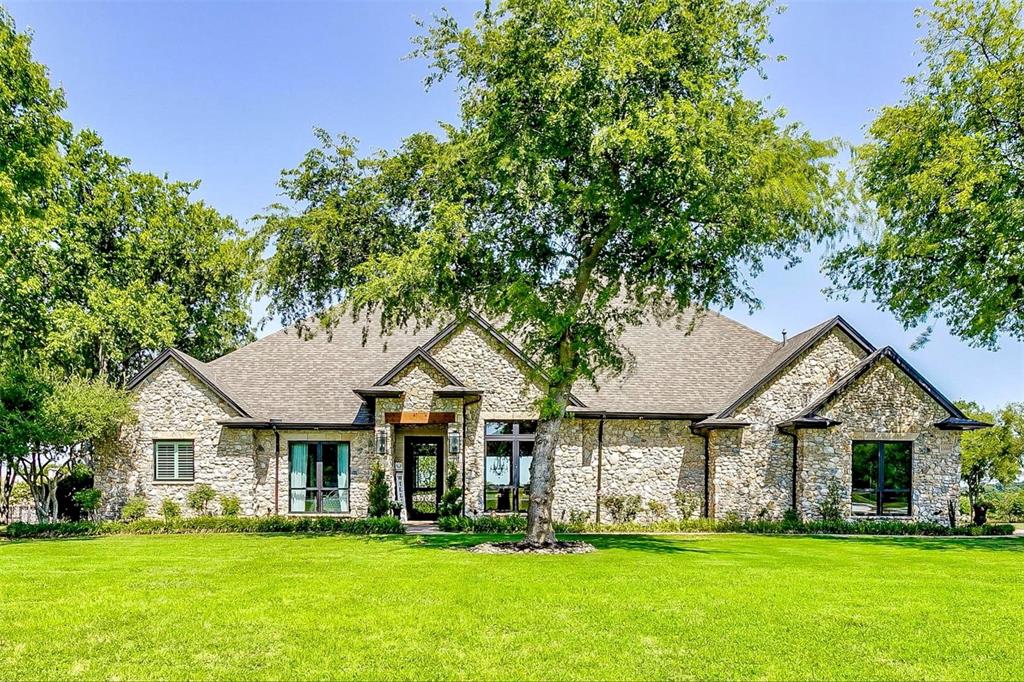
x=944, y=171
x=49, y=424
x=606, y=168
x=995, y=453
x=102, y=265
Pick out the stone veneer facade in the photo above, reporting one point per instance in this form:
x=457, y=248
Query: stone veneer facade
x=749, y=470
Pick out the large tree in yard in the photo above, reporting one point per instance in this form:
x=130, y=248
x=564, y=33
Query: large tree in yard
x=606, y=168
x=944, y=174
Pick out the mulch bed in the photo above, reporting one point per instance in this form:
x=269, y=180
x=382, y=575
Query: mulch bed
x=575, y=547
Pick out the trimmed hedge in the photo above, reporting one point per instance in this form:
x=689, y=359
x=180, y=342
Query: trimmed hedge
x=208, y=524
x=517, y=524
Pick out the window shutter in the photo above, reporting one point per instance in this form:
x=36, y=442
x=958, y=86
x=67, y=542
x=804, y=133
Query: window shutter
x=175, y=460
x=186, y=460
x=165, y=460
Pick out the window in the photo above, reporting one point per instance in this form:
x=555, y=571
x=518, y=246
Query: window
x=173, y=460
x=318, y=477
x=509, y=453
x=881, y=478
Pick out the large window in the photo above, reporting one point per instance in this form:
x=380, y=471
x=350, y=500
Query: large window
x=509, y=453
x=881, y=478
x=173, y=460
x=318, y=477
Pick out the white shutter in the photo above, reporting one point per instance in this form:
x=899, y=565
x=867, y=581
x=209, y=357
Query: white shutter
x=186, y=460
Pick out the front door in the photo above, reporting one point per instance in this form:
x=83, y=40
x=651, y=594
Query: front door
x=423, y=460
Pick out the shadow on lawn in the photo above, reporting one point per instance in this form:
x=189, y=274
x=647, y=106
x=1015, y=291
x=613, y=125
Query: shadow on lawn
x=658, y=544
x=992, y=544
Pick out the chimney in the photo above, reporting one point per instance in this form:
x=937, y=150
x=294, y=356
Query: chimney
x=783, y=337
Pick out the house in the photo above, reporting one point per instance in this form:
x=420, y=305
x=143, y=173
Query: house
x=719, y=418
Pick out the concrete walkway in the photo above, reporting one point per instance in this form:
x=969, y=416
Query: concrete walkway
x=422, y=528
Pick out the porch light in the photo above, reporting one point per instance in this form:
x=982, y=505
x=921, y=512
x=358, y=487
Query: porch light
x=453, y=442
x=382, y=442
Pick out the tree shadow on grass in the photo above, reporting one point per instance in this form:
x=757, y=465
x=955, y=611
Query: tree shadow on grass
x=659, y=544
x=992, y=544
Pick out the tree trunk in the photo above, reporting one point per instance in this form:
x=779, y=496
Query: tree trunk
x=540, y=529
x=980, y=514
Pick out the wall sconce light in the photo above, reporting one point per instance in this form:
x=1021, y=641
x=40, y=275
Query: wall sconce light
x=453, y=443
x=382, y=442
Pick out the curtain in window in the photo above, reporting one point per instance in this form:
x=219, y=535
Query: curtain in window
x=297, y=477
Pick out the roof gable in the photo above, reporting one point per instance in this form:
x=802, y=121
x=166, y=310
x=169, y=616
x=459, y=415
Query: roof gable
x=809, y=415
x=418, y=354
x=199, y=370
x=785, y=355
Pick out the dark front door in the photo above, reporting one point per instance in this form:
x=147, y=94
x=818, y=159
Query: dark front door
x=423, y=461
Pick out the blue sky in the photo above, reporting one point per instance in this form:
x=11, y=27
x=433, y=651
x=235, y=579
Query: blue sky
x=228, y=93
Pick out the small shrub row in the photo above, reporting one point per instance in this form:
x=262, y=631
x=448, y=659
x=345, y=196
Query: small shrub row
x=517, y=524
x=485, y=523
x=208, y=524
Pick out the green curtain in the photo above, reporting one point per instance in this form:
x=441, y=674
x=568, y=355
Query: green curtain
x=297, y=477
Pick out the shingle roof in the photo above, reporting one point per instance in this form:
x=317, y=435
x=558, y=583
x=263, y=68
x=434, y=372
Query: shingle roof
x=673, y=370
x=203, y=371
x=678, y=372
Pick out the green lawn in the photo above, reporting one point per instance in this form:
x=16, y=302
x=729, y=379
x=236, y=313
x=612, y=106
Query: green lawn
x=736, y=606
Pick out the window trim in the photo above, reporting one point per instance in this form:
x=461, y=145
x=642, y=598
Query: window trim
x=880, y=488
x=515, y=438
x=176, y=442
x=319, y=475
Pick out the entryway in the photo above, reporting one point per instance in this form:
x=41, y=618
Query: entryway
x=424, y=458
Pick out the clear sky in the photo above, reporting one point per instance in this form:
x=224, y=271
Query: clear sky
x=228, y=93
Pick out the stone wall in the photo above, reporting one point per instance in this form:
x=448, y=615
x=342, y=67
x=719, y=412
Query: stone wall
x=883, y=404
x=753, y=476
x=173, y=405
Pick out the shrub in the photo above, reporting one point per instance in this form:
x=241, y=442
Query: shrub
x=831, y=508
x=88, y=500
x=578, y=519
x=200, y=497
x=230, y=506
x=170, y=509
x=623, y=508
x=451, y=499
x=134, y=509
x=209, y=524
x=380, y=492
x=687, y=503
x=657, y=509
x=790, y=517
x=455, y=524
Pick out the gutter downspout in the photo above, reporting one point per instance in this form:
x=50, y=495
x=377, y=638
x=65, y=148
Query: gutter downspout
x=277, y=470
x=707, y=475
x=794, y=469
x=463, y=455
x=600, y=459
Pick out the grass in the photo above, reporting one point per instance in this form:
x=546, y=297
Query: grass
x=722, y=606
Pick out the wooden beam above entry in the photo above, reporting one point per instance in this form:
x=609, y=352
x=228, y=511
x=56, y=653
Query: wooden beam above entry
x=419, y=417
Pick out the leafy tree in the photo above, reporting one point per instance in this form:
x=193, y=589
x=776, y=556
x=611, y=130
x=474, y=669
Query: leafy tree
x=606, y=168
x=945, y=171
x=104, y=265
x=50, y=424
x=995, y=453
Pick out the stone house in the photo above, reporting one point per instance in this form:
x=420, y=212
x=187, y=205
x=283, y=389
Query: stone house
x=711, y=417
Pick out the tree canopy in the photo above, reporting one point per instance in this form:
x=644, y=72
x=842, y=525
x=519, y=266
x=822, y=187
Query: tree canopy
x=103, y=265
x=992, y=454
x=606, y=168
x=944, y=171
